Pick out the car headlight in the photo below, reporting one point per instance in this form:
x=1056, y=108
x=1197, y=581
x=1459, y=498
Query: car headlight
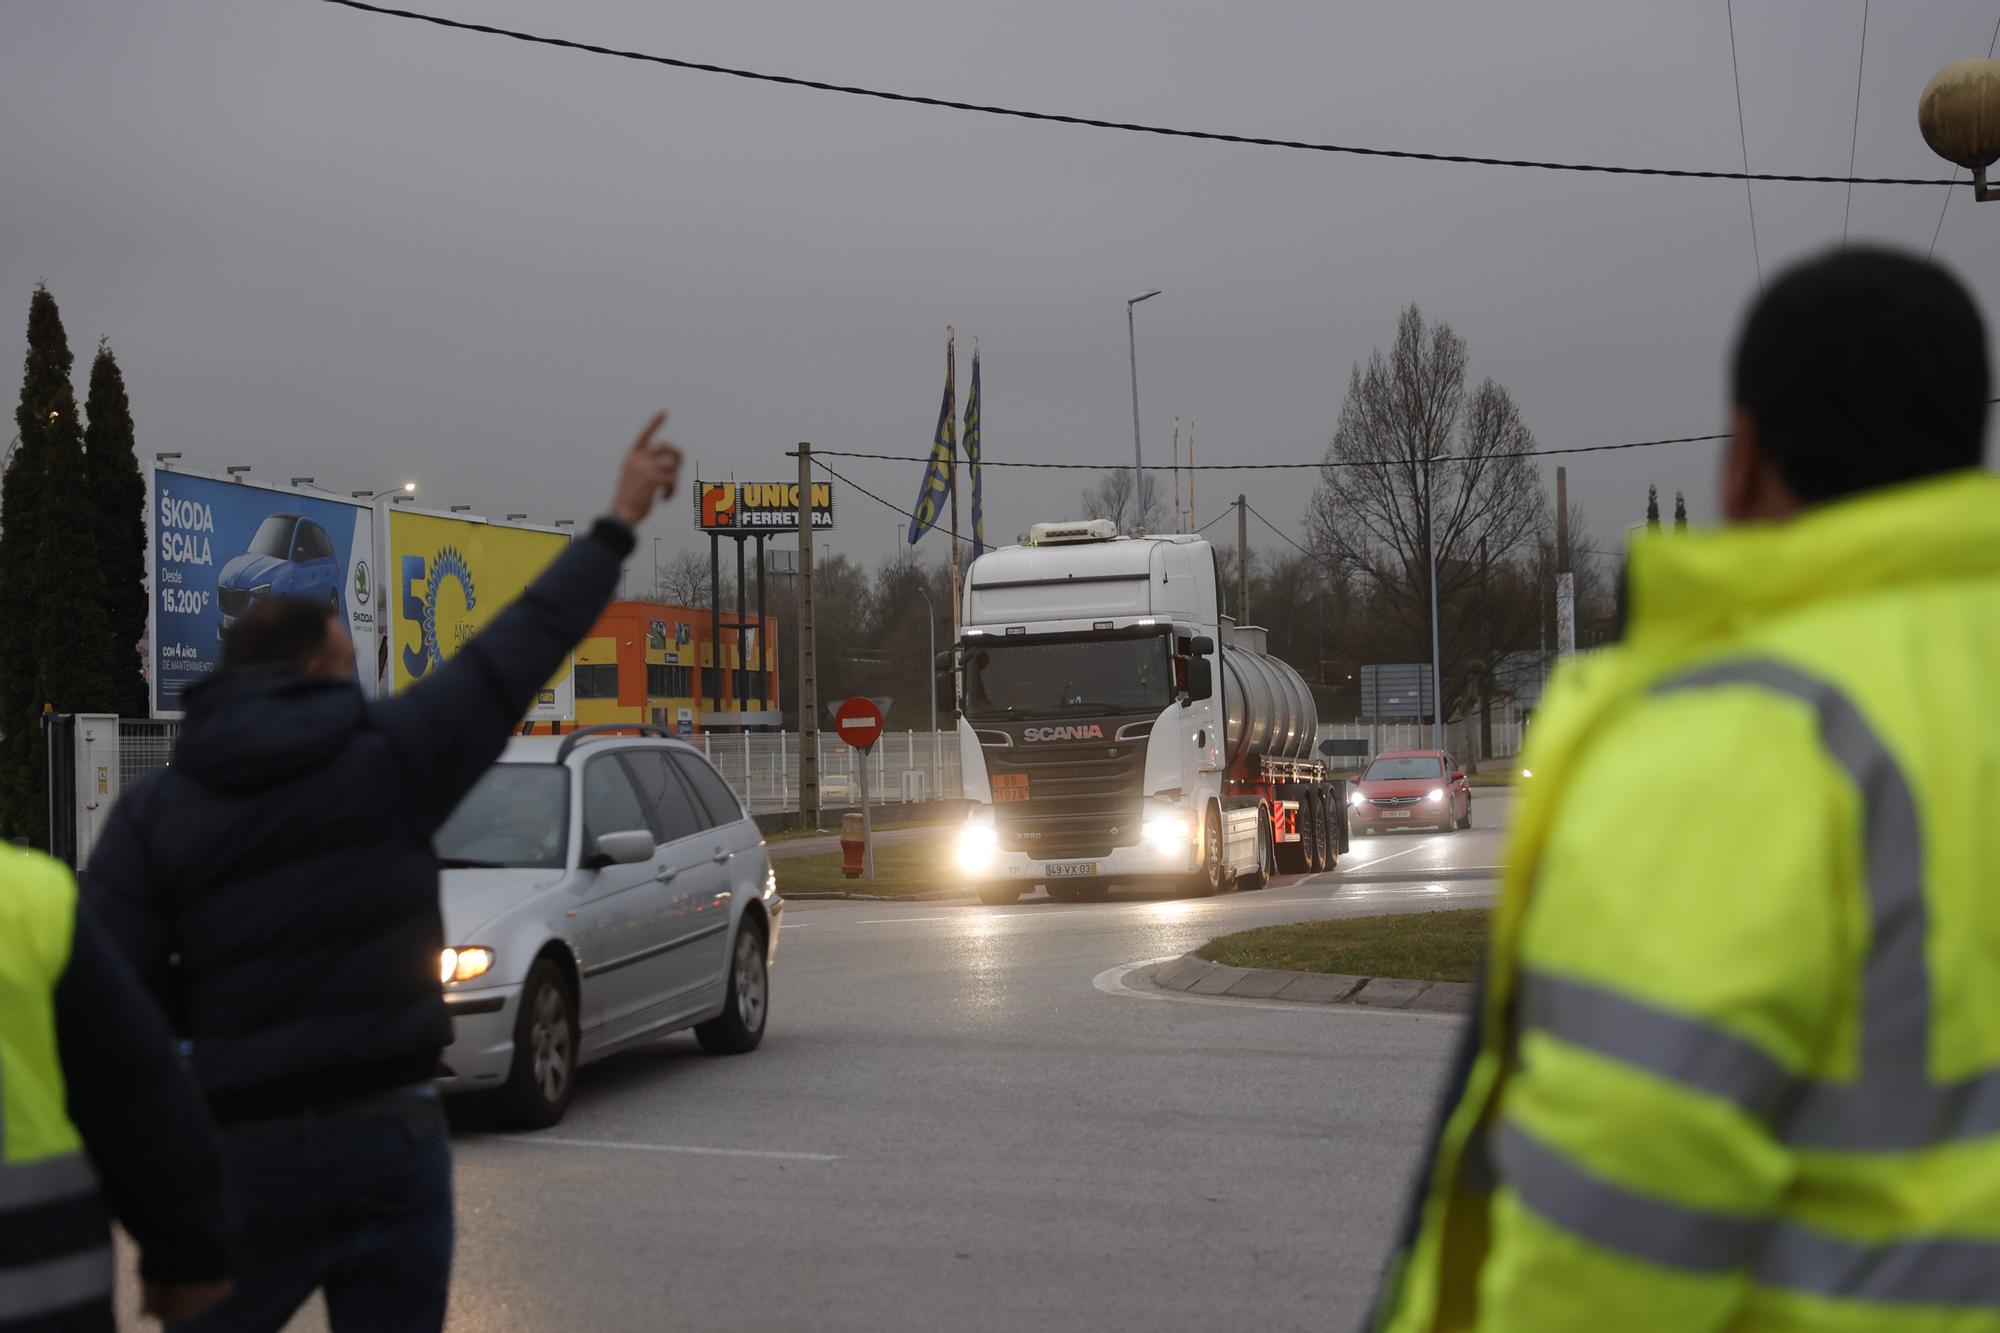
x=1166, y=833
x=1527, y=772
x=1436, y=794
x=1357, y=798
x=261, y=590
x=463, y=964
x=976, y=844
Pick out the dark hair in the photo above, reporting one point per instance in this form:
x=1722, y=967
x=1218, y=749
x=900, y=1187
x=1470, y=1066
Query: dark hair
x=1861, y=369
x=287, y=631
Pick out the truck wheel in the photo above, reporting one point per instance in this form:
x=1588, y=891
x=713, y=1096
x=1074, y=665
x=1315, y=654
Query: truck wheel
x=1261, y=877
x=998, y=895
x=1293, y=858
x=1312, y=827
x=1334, y=831
x=1062, y=891
x=1209, y=879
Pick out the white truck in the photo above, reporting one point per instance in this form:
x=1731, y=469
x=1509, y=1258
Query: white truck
x=1115, y=728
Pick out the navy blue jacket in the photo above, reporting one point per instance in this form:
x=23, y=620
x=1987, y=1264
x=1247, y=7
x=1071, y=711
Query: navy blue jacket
x=275, y=886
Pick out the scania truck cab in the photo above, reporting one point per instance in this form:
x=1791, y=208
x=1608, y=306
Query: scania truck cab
x=1109, y=733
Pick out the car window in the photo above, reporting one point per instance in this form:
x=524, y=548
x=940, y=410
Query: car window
x=318, y=546
x=723, y=807
x=516, y=815
x=676, y=814
x=609, y=803
x=1390, y=770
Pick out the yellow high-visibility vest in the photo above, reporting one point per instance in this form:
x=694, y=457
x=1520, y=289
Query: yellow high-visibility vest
x=1740, y=1052
x=42, y=1162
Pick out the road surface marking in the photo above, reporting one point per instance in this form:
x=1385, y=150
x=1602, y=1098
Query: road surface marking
x=1112, y=982
x=1378, y=860
x=686, y=1149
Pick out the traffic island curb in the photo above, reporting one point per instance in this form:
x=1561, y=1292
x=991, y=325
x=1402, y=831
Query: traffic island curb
x=1196, y=975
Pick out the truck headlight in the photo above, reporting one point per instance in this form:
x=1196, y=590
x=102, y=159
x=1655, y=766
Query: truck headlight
x=463, y=964
x=1166, y=833
x=976, y=844
x=1436, y=794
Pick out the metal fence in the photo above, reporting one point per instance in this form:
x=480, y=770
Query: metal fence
x=1461, y=735
x=762, y=768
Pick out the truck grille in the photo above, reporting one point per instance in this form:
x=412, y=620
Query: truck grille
x=1083, y=800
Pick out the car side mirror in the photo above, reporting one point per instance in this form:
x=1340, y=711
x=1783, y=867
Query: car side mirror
x=1201, y=677
x=623, y=848
x=1201, y=645
x=1458, y=777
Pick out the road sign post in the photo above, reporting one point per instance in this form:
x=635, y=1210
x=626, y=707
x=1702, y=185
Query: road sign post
x=859, y=722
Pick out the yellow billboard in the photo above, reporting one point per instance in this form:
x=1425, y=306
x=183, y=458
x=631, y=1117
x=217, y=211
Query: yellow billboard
x=453, y=575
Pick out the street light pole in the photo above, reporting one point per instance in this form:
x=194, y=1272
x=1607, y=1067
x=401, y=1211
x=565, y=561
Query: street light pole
x=1430, y=546
x=1138, y=460
x=930, y=630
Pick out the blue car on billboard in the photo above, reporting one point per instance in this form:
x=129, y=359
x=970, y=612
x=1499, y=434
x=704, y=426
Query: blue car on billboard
x=289, y=556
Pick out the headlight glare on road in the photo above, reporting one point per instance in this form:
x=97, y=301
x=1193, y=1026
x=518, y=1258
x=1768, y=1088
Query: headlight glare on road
x=1167, y=833
x=464, y=964
x=976, y=845
x=1436, y=794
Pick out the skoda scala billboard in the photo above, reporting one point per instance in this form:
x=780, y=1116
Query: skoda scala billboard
x=220, y=547
x=450, y=576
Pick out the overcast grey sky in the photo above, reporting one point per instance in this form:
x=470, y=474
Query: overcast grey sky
x=366, y=249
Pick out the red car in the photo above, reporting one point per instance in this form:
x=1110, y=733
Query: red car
x=1410, y=789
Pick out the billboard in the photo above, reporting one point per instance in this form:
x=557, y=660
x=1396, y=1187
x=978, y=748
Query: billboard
x=217, y=548
x=449, y=576
x=759, y=506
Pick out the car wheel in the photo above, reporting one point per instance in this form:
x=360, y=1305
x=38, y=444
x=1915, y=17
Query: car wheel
x=1465, y=820
x=1208, y=880
x=543, y=1076
x=999, y=895
x=747, y=1004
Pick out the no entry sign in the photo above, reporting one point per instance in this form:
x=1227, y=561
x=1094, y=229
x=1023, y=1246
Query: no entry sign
x=859, y=722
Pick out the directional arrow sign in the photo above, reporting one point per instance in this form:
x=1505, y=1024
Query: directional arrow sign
x=859, y=722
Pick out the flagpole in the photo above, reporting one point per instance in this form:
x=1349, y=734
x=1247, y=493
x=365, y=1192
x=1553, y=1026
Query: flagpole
x=951, y=377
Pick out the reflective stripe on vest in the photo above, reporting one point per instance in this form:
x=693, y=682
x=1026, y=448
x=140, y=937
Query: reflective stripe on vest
x=1890, y=1105
x=55, y=1285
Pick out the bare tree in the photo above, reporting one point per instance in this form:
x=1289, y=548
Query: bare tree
x=1413, y=442
x=1111, y=498
x=683, y=579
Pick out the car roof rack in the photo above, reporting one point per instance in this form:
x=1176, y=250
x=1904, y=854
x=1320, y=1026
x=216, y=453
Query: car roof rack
x=581, y=734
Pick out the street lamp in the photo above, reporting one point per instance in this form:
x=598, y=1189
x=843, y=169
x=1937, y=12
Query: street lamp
x=565, y=523
x=304, y=481
x=515, y=518
x=461, y=509
x=236, y=472
x=408, y=488
x=161, y=459
x=1956, y=115
x=1138, y=462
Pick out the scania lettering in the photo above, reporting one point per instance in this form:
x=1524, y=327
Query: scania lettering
x=1115, y=728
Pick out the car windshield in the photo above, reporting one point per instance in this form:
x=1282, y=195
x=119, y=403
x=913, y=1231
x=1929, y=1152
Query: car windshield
x=1393, y=770
x=1099, y=676
x=274, y=537
x=516, y=816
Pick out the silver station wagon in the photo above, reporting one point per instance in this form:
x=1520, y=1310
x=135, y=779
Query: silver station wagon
x=600, y=889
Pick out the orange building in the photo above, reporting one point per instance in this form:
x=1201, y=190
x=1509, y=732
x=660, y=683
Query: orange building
x=650, y=662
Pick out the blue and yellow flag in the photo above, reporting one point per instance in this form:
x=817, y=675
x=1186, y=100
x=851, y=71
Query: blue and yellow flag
x=944, y=453
x=972, y=456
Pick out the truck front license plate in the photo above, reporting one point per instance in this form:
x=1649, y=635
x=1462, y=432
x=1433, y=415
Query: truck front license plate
x=1071, y=869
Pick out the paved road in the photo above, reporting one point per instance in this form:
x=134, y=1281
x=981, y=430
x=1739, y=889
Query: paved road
x=962, y=1118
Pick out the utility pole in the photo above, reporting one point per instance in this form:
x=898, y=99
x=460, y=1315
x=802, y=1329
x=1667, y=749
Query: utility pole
x=808, y=661
x=1242, y=561
x=1191, y=476
x=1177, y=476
x=1437, y=663
x=1485, y=661
x=1565, y=581
x=951, y=377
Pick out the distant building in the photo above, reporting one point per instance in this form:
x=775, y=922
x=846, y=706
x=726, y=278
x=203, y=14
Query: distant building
x=651, y=662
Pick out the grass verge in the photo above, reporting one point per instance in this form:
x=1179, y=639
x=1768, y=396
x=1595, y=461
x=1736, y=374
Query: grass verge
x=1423, y=946
x=901, y=871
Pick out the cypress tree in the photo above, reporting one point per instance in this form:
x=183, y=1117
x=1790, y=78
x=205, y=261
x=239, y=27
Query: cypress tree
x=118, y=496
x=44, y=381
x=70, y=633
x=1653, y=507
x=1680, y=512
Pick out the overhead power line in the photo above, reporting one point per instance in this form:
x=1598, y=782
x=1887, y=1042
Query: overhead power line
x=887, y=504
x=1854, y=135
x=1281, y=467
x=1743, y=140
x=1130, y=127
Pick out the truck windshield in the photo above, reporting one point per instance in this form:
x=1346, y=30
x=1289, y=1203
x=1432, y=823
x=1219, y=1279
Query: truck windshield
x=1095, y=676
x=517, y=815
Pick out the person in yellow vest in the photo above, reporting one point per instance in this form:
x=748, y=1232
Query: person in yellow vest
x=1737, y=1062
x=97, y=1119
